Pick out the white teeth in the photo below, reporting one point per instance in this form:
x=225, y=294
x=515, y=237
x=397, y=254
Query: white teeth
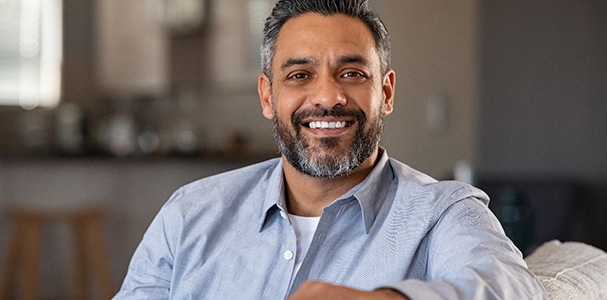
x=327, y=125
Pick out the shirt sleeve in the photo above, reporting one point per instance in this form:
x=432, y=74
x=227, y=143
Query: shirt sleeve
x=470, y=257
x=151, y=267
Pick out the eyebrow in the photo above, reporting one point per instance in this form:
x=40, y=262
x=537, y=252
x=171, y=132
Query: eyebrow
x=348, y=59
x=296, y=61
x=345, y=59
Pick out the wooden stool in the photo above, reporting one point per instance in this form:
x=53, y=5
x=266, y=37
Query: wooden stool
x=25, y=248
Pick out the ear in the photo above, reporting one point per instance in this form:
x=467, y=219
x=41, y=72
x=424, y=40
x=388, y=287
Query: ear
x=264, y=89
x=388, y=89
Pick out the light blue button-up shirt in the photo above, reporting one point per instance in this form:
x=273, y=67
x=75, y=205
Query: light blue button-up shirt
x=229, y=237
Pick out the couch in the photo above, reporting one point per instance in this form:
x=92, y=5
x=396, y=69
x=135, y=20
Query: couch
x=570, y=270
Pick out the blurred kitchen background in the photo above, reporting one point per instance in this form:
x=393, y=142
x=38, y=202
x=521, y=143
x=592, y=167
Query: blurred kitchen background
x=113, y=104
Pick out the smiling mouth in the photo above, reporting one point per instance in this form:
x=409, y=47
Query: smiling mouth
x=327, y=124
x=319, y=119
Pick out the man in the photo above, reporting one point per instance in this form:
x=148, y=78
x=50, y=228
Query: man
x=334, y=217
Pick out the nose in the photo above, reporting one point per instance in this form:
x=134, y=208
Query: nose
x=328, y=93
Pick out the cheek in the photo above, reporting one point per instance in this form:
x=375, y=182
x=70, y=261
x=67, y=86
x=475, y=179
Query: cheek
x=370, y=103
x=285, y=105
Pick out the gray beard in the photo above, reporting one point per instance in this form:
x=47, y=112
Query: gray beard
x=315, y=162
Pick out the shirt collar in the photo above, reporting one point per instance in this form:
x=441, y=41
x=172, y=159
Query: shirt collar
x=274, y=198
x=369, y=193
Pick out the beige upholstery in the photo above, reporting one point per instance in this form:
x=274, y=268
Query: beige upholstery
x=570, y=270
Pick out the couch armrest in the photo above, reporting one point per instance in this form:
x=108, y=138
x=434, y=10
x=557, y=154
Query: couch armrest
x=570, y=270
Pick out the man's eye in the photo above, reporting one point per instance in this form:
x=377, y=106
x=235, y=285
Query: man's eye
x=299, y=76
x=352, y=74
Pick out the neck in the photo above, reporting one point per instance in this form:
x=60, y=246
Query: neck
x=308, y=196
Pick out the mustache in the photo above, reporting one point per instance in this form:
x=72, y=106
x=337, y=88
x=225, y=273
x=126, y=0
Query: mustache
x=338, y=111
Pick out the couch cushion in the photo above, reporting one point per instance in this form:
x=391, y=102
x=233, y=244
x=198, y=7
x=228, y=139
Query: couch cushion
x=570, y=270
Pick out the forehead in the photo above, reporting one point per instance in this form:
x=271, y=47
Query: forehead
x=316, y=35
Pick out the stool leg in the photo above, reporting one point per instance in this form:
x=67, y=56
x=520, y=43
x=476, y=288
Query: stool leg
x=12, y=260
x=98, y=255
x=79, y=261
x=32, y=241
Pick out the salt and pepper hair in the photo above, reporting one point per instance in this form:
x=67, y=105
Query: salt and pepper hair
x=288, y=9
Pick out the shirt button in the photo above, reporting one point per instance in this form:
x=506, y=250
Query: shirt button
x=288, y=255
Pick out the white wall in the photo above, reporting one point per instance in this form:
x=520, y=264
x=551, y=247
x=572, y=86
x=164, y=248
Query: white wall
x=434, y=53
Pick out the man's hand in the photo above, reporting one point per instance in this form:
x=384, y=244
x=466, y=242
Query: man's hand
x=320, y=290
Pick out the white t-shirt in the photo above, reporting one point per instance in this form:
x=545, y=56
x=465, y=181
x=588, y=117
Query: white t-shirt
x=304, y=230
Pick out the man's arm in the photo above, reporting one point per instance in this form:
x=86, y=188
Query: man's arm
x=470, y=257
x=325, y=291
x=150, y=269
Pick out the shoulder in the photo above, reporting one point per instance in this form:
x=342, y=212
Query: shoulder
x=421, y=202
x=224, y=189
x=241, y=177
x=429, y=194
x=213, y=204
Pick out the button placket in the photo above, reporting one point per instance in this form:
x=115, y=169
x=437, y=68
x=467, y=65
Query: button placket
x=289, y=253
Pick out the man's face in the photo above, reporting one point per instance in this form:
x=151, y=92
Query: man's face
x=328, y=97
